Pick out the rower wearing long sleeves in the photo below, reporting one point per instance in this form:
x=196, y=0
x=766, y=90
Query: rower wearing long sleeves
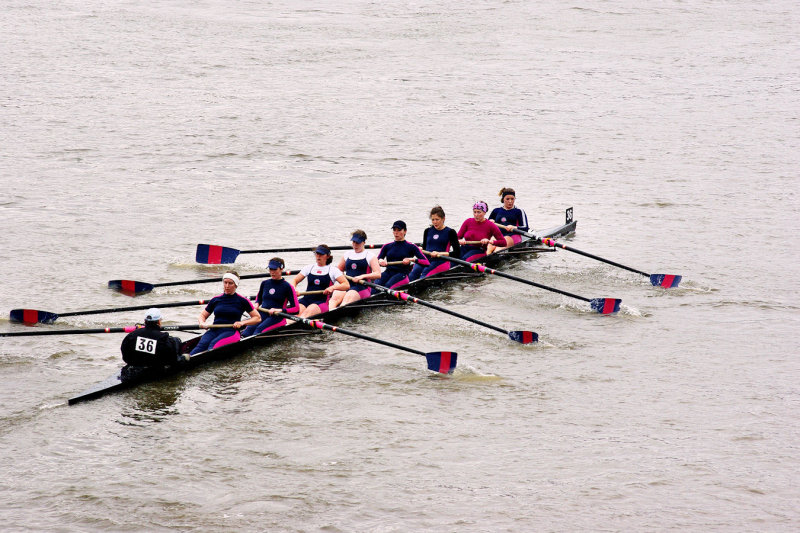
x=508, y=217
x=478, y=229
x=441, y=241
x=275, y=294
x=398, y=251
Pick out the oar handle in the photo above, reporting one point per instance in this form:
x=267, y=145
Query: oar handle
x=411, y=260
x=480, y=243
x=309, y=292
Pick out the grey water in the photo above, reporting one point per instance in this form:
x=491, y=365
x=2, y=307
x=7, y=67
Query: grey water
x=132, y=131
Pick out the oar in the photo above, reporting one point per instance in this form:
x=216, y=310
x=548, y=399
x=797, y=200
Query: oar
x=32, y=316
x=140, y=287
x=601, y=305
x=666, y=281
x=126, y=329
x=442, y=362
x=212, y=254
x=523, y=337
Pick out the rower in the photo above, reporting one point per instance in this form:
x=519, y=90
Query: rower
x=227, y=308
x=479, y=230
x=508, y=217
x=323, y=279
x=358, y=264
x=441, y=241
x=398, y=251
x=275, y=295
x=151, y=346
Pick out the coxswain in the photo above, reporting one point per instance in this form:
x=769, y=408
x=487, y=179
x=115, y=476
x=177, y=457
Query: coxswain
x=227, y=308
x=441, y=241
x=322, y=276
x=275, y=294
x=151, y=346
x=478, y=229
x=359, y=264
x=508, y=217
x=399, y=251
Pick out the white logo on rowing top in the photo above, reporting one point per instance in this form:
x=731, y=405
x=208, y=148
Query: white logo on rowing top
x=435, y=237
x=272, y=291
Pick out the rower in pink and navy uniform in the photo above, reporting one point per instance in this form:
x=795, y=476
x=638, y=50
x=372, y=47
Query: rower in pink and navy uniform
x=441, y=241
x=227, y=308
x=358, y=264
x=322, y=276
x=507, y=218
x=274, y=295
x=478, y=229
x=398, y=251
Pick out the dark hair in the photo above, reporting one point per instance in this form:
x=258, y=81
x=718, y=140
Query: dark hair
x=361, y=233
x=279, y=260
x=505, y=191
x=437, y=210
x=327, y=252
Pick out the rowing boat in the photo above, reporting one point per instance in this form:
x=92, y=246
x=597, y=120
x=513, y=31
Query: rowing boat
x=129, y=376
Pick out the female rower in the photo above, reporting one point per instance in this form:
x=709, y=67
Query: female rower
x=321, y=276
x=399, y=251
x=275, y=294
x=508, y=217
x=358, y=264
x=228, y=308
x=478, y=229
x=440, y=241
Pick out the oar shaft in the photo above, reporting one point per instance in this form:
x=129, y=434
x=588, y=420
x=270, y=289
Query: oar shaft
x=304, y=249
x=133, y=308
x=211, y=280
x=125, y=329
x=551, y=242
x=482, y=268
x=322, y=325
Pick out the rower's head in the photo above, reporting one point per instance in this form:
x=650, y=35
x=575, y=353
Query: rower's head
x=230, y=281
x=323, y=255
x=275, y=267
x=479, y=210
x=437, y=217
x=399, y=229
x=359, y=237
x=152, y=318
x=508, y=196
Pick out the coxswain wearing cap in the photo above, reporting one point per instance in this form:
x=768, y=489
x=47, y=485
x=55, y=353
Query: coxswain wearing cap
x=478, y=229
x=359, y=264
x=441, y=241
x=398, y=251
x=227, y=308
x=322, y=276
x=275, y=294
x=151, y=346
x=508, y=217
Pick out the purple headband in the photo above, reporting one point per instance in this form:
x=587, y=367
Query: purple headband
x=482, y=206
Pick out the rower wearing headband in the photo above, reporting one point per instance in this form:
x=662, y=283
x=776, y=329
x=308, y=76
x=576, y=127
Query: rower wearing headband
x=478, y=229
x=227, y=308
x=508, y=217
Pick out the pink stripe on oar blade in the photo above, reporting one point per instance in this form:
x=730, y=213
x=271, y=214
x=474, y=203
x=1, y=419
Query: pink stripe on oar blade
x=214, y=254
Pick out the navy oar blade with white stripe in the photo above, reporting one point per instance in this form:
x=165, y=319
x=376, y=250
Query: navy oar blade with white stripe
x=604, y=306
x=442, y=362
x=523, y=337
x=666, y=281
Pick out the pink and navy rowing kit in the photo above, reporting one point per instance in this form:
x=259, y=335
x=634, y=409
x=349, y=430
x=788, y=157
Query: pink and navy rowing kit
x=396, y=275
x=515, y=217
x=319, y=278
x=437, y=240
x=227, y=309
x=357, y=264
x=472, y=230
x=274, y=294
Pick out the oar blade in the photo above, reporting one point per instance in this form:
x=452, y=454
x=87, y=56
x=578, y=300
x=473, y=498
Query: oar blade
x=523, y=337
x=606, y=306
x=129, y=286
x=442, y=362
x=666, y=281
x=32, y=316
x=211, y=254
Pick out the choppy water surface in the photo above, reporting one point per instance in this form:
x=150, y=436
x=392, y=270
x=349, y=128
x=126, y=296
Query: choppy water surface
x=131, y=133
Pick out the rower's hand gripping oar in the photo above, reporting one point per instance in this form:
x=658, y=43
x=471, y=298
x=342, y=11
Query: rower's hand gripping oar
x=125, y=329
x=523, y=337
x=134, y=288
x=212, y=254
x=442, y=362
x=601, y=305
x=666, y=281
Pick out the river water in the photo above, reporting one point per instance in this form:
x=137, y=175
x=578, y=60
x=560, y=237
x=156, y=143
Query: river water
x=131, y=131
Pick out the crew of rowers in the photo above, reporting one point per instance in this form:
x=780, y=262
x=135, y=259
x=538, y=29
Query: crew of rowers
x=330, y=286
